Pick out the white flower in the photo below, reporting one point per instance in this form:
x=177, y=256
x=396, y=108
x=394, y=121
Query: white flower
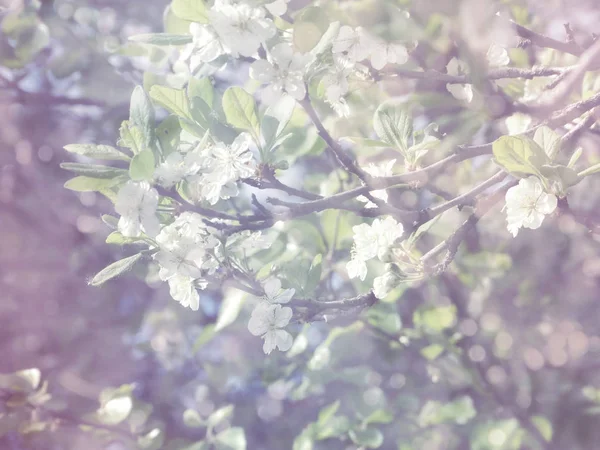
x=185, y=257
x=137, y=203
x=370, y=242
x=527, y=204
x=517, y=123
x=497, y=56
x=463, y=92
x=383, y=53
x=355, y=42
x=235, y=161
x=206, y=45
x=242, y=28
x=383, y=169
x=278, y=7
x=336, y=83
x=357, y=268
x=267, y=321
x=178, y=166
x=182, y=289
x=274, y=293
x=284, y=72
x=383, y=284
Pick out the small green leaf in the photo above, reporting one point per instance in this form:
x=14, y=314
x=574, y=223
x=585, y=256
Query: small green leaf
x=369, y=437
x=544, y=426
x=115, y=269
x=203, y=89
x=131, y=137
x=314, y=274
x=115, y=410
x=93, y=170
x=432, y=351
x=192, y=10
x=141, y=114
x=393, y=124
x=205, y=336
x=548, y=140
x=309, y=27
x=575, y=157
x=231, y=439
x=240, y=109
x=105, y=152
x=275, y=120
x=328, y=412
x=162, y=39
x=142, y=166
x=435, y=319
x=230, y=309
x=219, y=416
x=303, y=442
x=111, y=221
x=88, y=184
x=192, y=419
x=173, y=100
x=168, y=134
x=379, y=416
x=519, y=155
x=153, y=440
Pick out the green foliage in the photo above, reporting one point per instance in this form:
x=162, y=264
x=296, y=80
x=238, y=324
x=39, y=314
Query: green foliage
x=240, y=110
x=519, y=155
x=115, y=269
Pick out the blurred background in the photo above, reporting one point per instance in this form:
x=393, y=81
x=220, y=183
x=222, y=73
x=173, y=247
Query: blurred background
x=533, y=342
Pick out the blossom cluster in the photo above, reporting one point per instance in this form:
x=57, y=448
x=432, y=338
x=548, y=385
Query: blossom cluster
x=269, y=318
x=527, y=204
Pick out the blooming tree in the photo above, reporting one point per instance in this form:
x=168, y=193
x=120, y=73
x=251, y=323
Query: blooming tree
x=290, y=157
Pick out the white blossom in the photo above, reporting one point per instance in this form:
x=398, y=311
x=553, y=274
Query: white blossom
x=518, y=123
x=182, y=289
x=383, y=169
x=336, y=84
x=355, y=42
x=241, y=28
x=278, y=7
x=137, y=203
x=497, y=56
x=370, y=242
x=274, y=293
x=527, y=204
x=383, y=53
x=283, y=72
x=179, y=166
x=383, y=284
x=267, y=321
x=235, y=161
x=206, y=45
x=463, y=92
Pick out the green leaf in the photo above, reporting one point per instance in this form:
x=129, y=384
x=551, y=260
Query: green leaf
x=369, y=437
x=141, y=114
x=231, y=439
x=379, y=416
x=544, y=426
x=309, y=27
x=93, y=170
x=548, y=140
x=435, y=319
x=115, y=269
x=519, y=155
x=142, y=166
x=205, y=336
x=192, y=10
x=111, y=221
x=162, y=39
x=105, y=152
x=303, y=442
x=168, y=134
x=153, y=440
x=88, y=184
x=432, y=351
x=230, y=309
x=192, y=419
x=203, y=89
x=173, y=100
x=219, y=416
x=328, y=412
x=275, y=120
x=314, y=274
x=115, y=410
x=240, y=109
x=575, y=157
x=132, y=137
x=334, y=427
x=459, y=411
x=393, y=124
